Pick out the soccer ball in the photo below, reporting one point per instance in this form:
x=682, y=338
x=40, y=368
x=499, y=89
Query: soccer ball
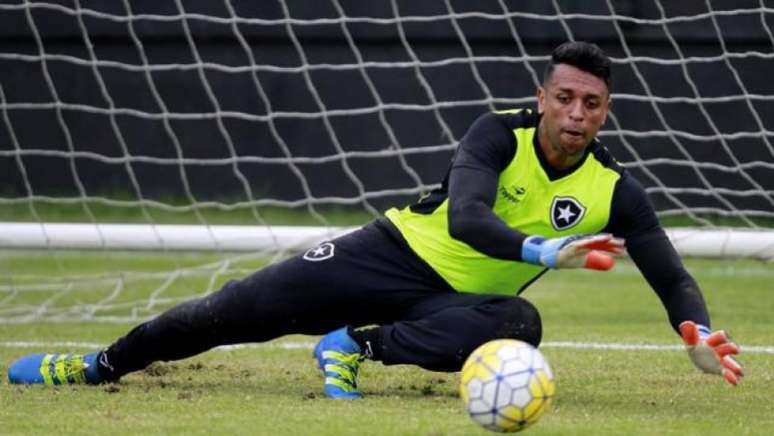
x=506, y=385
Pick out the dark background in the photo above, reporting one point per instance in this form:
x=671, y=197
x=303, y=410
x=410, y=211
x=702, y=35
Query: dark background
x=176, y=109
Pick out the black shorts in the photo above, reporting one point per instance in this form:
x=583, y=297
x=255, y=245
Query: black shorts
x=367, y=277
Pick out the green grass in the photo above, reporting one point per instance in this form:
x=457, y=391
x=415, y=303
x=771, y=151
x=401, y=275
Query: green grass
x=234, y=211
x=715, y=220
x=180, y=212
x=268, y=390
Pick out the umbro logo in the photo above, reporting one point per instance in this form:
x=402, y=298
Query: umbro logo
x=323, y=251
x=566, y=212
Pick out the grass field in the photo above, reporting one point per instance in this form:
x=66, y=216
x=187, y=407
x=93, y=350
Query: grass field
x=275, y=388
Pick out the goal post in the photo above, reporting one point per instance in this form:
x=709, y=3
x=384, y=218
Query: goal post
x=213, y=125
x=689, y=241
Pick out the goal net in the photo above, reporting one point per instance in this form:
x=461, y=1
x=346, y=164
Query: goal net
x=140, y=129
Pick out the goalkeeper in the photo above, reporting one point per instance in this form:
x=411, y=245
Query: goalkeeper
x=527, y=191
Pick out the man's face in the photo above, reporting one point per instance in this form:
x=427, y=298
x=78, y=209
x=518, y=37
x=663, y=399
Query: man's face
x=574, y=105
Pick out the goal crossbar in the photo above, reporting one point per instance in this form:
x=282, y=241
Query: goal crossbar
x=689, y=241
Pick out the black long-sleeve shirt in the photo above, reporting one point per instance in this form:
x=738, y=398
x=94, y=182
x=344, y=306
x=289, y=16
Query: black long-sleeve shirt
x=488, y=148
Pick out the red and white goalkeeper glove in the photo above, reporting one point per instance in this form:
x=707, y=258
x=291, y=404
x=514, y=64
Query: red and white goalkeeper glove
x=711, y=351
x=580, y=251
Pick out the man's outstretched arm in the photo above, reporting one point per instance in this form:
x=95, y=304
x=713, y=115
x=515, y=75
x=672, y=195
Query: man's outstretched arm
x=633, y=217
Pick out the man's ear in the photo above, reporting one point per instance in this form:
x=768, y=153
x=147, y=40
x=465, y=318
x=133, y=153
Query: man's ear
x=541, y=98
x=609, y=105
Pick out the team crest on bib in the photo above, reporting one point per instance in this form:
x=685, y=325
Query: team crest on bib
x=566, y=212
x=323, y=251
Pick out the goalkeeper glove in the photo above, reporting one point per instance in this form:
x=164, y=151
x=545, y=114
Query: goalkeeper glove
x=580, y=251
x=711, y=352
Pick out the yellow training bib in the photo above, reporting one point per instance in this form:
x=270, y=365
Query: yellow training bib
x=528, y=201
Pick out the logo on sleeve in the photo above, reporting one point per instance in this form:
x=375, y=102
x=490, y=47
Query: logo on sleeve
x=323, y=251
x=566, y=212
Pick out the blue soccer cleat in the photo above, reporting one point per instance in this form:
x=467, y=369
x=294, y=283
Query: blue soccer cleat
x=55, y=369
x=339, y=357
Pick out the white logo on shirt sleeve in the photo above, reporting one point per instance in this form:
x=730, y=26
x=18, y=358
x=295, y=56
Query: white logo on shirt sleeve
x=321, y=252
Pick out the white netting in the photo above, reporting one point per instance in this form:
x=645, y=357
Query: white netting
x=266, y=113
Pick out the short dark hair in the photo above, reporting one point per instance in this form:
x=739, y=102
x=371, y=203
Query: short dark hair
x=585, y=56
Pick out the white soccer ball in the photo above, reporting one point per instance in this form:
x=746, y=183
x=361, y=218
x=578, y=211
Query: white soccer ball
x=506, y=385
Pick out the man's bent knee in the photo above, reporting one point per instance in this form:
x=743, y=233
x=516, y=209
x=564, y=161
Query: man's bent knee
x=520, y=320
